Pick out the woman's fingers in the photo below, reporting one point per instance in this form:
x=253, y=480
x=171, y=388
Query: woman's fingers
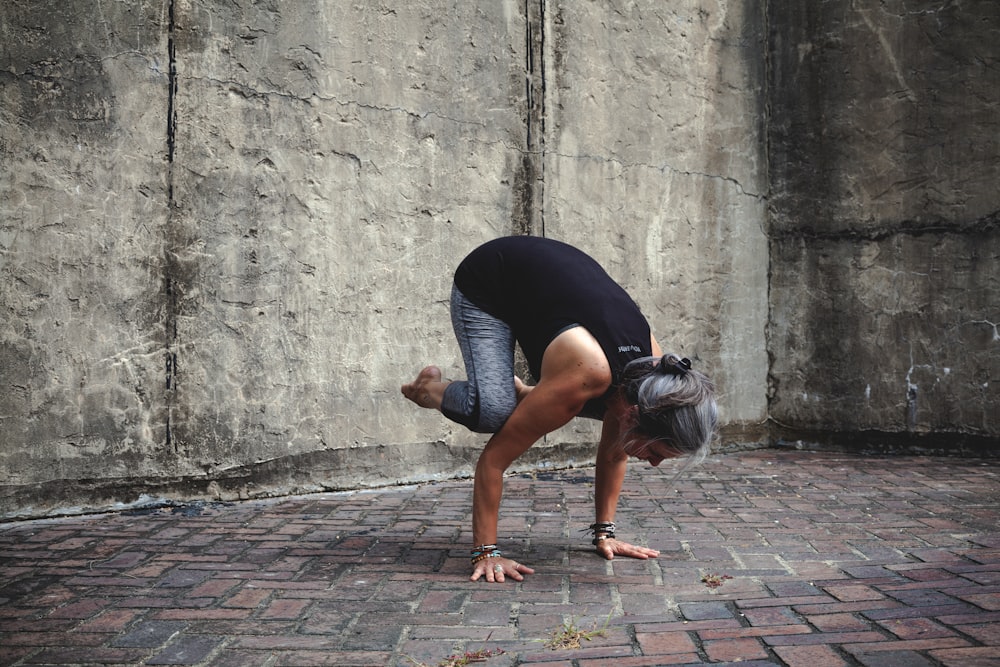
x=611, y=547
x=496, y=570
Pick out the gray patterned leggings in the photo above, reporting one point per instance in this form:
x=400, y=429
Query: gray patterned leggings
x=487, y=398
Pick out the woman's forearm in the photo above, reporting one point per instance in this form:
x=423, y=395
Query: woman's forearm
x=609, y=475
x=487, y=491
x=608, y=480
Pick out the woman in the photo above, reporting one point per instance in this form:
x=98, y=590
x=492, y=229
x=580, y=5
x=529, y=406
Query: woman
x=591, y=350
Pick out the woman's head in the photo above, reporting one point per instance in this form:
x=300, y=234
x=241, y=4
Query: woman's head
x=676, y=412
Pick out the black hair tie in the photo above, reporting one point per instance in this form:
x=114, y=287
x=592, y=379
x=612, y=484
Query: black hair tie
x=671, y=365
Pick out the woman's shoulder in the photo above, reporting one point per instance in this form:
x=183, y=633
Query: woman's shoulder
x=576, y=356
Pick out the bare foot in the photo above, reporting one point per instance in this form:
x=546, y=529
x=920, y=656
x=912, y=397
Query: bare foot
x=521, y=389
x=428, y=389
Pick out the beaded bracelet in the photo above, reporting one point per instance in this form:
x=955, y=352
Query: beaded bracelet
x=484, y=551
x=603, y=530
x=483, y=548
x=491, y=554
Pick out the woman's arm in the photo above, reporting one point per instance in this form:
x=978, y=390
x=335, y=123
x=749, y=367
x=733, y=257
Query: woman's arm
x=610, y=473
x=542, y=411
x=574, y=370
x=612, y=462
x=609, y=476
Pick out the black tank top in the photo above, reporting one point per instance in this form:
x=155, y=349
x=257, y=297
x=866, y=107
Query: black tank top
x=541, y=287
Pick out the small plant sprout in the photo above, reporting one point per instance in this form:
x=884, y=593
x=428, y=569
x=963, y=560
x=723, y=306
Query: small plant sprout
x=714, y=580
x=464, y=659
x=571, y=636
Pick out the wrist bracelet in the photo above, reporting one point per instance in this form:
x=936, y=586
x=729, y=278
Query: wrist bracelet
x=602, y=530
x=484, y=551
x=491, y=554
x=484, y=548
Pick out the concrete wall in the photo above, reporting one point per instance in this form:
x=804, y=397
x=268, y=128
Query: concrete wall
x=885, y=162
x=227, y=233
x=655, y=163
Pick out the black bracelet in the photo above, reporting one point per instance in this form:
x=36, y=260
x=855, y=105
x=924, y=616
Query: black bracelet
x=603, y=530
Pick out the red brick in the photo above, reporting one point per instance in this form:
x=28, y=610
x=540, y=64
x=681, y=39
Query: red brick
x=81, y=609
x=150, y=570
x=89, y=655
x=112, y=620
x=605, y=653
x=286, y=642
x=906, y=645
x=763, y=631
x=916, y=628
x=733, y=650
x=9, y=655
x=212, y=588
x=987, y=601
x=38, y=625
x=634, y=661
x=665, y=643
x=771, y=616
x=248, y=598
x=847, y=607
x=200, y=614
x=978, y=656
x=987, y=633
x=837, y=622
x=447, y=601
x=853, y=592
x=783, y=602
x=285, y=609
x=809, y=656
x=824, y=638
x=51, y=639
x=332, y=658
x=685, y=626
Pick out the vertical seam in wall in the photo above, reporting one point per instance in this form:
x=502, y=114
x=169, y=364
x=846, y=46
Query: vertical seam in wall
x=540, y=138
x=529, y=66
x=535, y=29
x=170, y=324
x=766, y=130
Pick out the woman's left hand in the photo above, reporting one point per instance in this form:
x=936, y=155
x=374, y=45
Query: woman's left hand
x=497, y=569
x=609, y=548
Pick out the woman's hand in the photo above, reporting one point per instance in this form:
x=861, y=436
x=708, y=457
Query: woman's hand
x=498, y=569
x=610, y=547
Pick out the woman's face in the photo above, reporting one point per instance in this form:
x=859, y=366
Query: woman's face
x=652, y=450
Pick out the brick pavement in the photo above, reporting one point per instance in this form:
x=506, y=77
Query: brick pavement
x=834, y=559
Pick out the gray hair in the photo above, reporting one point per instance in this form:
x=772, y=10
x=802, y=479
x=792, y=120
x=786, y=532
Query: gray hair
x=676, y=404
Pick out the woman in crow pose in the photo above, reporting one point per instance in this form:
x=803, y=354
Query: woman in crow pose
x=593, y=355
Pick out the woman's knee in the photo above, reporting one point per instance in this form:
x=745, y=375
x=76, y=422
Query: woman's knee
x=494, y=411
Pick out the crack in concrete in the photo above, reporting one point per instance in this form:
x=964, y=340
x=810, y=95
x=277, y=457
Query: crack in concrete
x=170, y=261
x=666, y=168
x=248, y=91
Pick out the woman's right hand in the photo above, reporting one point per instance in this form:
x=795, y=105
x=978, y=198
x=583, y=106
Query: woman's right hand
x=498, y=569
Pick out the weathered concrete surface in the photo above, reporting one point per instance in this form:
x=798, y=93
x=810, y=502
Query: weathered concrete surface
x=82, y=216
x=655, y=151
x=227, y=232
x=885, y=137
x=332, y=163
x=228, y=237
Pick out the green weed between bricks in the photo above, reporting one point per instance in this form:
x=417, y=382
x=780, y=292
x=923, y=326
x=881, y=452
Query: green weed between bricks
x=569, y=636
x=469, y=657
